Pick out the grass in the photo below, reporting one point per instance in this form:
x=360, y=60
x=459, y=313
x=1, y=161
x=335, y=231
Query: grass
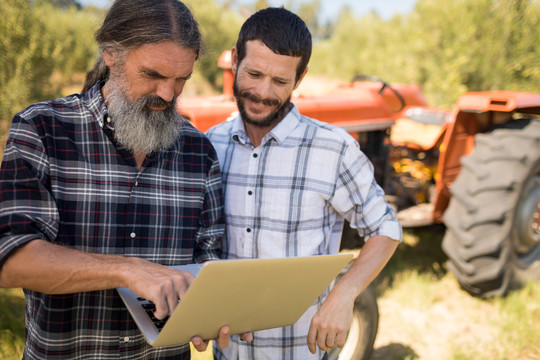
x=11, y=324
x=424, y=314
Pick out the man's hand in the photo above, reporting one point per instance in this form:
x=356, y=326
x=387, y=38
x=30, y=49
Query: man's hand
x=329, y=326
x=331, y=323
x=63, y=270
x=222, y=340
x=160, y=284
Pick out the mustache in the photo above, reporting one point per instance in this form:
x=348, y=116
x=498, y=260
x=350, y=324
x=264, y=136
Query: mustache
x=257, y=99
x=156, y=101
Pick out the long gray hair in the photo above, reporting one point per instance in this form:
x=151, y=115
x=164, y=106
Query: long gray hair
x=132, y=23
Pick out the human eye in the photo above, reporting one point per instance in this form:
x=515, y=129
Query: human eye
x=281, y=82
x=151, y=74
x=254, y=74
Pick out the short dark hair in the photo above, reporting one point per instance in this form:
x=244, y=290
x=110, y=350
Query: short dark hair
x=132, y=23
x=282, y=31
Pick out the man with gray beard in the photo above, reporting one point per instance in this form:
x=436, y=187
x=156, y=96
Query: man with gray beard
x=107, y=189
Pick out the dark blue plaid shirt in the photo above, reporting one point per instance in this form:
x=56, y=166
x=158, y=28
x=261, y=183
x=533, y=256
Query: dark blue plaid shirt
x=65, y=180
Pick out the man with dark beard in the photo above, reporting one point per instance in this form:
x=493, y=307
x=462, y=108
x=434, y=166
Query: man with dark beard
x=101, y=190
x=289, y=183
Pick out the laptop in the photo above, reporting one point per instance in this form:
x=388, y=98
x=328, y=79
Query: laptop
x=247, y=295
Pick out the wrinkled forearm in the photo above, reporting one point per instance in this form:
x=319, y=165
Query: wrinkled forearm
x=375, y=254
x=53, y=269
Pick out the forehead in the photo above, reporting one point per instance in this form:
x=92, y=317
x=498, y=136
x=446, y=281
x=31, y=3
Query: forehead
x=261, y=58
x=168, y=58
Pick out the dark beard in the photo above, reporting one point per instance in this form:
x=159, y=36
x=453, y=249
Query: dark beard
x=269, y=121
x=138, y=128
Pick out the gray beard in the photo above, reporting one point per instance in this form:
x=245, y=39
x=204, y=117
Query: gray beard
x=138, y=128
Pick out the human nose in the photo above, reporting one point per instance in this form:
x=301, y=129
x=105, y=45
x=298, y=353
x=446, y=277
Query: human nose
x=166, y=90
x=264, y=89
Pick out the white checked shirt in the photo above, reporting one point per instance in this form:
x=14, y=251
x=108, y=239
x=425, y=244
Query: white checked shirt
x=289, y=197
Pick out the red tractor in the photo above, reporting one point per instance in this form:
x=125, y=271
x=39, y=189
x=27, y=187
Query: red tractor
x=475, y=168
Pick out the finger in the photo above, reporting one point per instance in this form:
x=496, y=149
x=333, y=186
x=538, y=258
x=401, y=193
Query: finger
x=247, y=336
x=311, y=338
x=341, y=339
x=321, y=340
x=330, y=342
x=172, y=290
x=199, y=344
x=162, y=308
x=183, y=283
x=223, y=337
x=171, y=299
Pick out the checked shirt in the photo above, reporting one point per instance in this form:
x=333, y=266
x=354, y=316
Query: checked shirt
x=289, y=197
x=65, y=180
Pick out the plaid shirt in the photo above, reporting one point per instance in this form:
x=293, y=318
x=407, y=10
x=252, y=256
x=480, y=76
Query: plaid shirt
x=289, y=197
x=64, y=179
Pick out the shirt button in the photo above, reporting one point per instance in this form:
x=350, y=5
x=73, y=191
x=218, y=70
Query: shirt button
x=248, y=230
x=255, y=155
x=136, y=183
x=132, y=235
x=126, y=339
x=250, y=192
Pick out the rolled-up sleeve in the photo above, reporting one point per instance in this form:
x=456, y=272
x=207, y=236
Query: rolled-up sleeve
x=27, y=209
x=361, y=200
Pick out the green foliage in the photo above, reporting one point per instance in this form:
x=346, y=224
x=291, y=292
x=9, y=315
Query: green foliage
x=22, y=55
x=44, y=43
x=219, y=26
x=70, y=33
x=11, y=324
x=447, y=47
x=40, y=40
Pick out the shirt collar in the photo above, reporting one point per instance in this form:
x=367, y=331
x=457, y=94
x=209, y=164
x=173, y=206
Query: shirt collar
x=280, y=132
x=95, y=104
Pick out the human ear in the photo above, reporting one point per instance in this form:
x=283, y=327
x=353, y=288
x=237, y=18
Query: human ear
x=300, y=78
x=110, y=57
x=234, y=59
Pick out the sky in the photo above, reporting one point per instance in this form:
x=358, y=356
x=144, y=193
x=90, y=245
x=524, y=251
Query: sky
x=330, y=8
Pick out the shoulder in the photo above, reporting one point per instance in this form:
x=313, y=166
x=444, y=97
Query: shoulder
x=43, y=117
x=221, y=129
x=327, y=132
x=221, y=134
x=53, y=108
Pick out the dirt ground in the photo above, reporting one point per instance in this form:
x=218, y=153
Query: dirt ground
x=425, y=314
x=412, y=330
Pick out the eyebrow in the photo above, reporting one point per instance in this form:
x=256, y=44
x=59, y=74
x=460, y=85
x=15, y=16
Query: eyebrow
x=155, y=74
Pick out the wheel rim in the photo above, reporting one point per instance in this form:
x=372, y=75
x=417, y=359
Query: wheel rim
x=527, y=243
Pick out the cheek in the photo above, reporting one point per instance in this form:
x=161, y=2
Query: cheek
x=140, y=87
x=179, y=88
x=284, y=94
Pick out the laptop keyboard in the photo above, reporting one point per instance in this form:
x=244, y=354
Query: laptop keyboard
x=149, y=307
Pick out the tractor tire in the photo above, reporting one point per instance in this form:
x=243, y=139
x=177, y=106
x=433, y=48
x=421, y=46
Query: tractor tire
x=363, y=331
x=493, y=219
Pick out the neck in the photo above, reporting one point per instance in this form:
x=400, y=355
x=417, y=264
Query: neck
x=139, y=159
x=256, y=133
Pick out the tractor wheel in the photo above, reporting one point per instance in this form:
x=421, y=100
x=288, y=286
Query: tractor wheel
x=363, y=331
x=493, y=220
